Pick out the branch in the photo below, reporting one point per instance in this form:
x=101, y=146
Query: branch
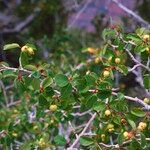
x=81, y=114
x=21, y=25
x=79, y=13
x=82, y=133
x=134, y=67
x=136, y=61
x=4, y=92
x=3, y=68
x=146, y=106
x=123, y=144
x=130, y=12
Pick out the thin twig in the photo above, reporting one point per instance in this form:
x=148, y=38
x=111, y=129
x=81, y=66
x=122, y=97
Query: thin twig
x=82, y=133
x=130, y=12
x=4, y=92
x=79, y=13
x=146, y=106
x=20, y=26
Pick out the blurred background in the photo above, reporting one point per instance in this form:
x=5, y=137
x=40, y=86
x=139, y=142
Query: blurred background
x=56, y=24
x=61, y=29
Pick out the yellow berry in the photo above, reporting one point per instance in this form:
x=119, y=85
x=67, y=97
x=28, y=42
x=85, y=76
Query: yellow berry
x=146, y=37
x=110, y=59
x=103, y=136
x=14, y=134
x=35, y=127
x=148, y=50
x=110, y=126
x=42, y=142
x=91, y=50
x=15, y=111
x=106, y=73
x=24, y=48
x=147, y=100
x=107, y=113
x=53, y=108
x=97, y=60
x=125, y=134
x=30, y=51
x=142, y=126
x=117, y=60
x=46, y=125
x=111, y=130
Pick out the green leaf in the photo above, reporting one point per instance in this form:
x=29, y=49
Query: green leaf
x=43, y=101
x=120, y=96
x=104, y=85
x=134, y=38
x=24, y=59
x=30, y=67
x=108, y=33
x=1, y=75
x=11, y=46
x=32, y=46
x=138, y=112
x=36, y=74
x=66, y=91
x=47, y=82
x=86, y=141
x=9, y=73
x=123, y=69
x=91, y=101
x=61, y=80
x=90, y=80
x=99, y=106
x=120, y=139
x=103, y=94
x=36, y=84
x=147, y=82
x=143, y=140
x=60, y=140
x=132, y=123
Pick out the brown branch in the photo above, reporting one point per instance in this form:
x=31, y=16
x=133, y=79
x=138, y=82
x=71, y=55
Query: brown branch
x=21, y=25
x=130, y=12
x=146, y=106
x=82, y=133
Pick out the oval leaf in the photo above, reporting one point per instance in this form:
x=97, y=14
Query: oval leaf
x=11, y=46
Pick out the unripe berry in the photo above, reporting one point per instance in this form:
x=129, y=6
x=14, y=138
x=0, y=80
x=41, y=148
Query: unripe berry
x=123, y=121
x=106, y=73
x=53, y=108
x=110, y=128
x=30, y=51
x=117, y=60
x=103, y=137
x=15, y=111
x=35, y=127
x=97, y=60
x=24, y=48
x=107, y=112
x=147, y=100
x=91, y=50
x=42, y=142
x=146, y=37
x=125, y=134
x=14, y=134
x=110, y=59
x=148, y=50
x=142, y=126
